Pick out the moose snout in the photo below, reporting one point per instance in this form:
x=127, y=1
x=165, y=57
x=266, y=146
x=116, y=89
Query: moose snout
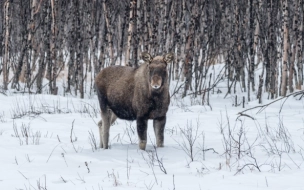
x=156, y=82
x=155, y=86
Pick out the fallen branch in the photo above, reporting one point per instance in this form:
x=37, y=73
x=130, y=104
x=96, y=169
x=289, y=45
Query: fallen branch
x=246, y=115
x=263, y=107
x=256, y=166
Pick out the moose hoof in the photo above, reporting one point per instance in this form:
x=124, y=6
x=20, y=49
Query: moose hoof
x=99, y=124
x=160, y=145
x=104, y=147
x=142, y=145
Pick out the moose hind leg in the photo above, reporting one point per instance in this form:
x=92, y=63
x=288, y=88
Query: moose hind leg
x=105, y=132
x=159, y=127
x=112, y=117
x=100, y=133
x=142, y=132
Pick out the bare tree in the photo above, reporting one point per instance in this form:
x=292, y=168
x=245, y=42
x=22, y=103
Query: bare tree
x=6, y=44
x=285, y=50
x=131, y=28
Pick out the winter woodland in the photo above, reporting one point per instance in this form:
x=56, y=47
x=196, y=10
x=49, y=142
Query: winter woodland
x=236, y=117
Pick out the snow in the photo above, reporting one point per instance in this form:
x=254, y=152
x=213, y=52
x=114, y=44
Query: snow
x=274, y=142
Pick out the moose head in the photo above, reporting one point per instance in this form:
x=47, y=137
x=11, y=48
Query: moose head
x=157, y=69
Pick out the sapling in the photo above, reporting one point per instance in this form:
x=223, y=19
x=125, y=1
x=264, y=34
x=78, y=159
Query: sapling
x=189, y=138
x=92, y=141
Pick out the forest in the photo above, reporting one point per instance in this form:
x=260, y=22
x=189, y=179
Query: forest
x=47, y=45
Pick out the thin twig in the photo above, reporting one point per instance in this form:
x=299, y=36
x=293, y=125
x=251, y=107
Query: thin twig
x=71, y=136
x=52, y=152
x=23, y=175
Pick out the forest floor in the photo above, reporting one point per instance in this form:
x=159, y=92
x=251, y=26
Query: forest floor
x=49, y=142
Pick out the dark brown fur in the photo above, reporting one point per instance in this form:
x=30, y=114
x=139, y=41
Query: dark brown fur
x=135, y=94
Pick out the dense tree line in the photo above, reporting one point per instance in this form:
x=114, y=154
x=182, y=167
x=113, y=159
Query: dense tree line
x=42, y=38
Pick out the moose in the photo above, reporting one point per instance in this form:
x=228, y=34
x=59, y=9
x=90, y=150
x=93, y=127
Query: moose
x=139, y=94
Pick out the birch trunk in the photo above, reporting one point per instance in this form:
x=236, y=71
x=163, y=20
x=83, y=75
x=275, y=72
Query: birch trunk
x=6, y=45
x=130, y=33
x=285, y=50
x=53, y=87
x=293, y=42
x=251, y=46
x=42, y=60
x=109, y=32
x=300, y=48
x=79, y=53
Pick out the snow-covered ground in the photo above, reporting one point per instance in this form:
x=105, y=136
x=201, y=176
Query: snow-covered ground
x=47, y=142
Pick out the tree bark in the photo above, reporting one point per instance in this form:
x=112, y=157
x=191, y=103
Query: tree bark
x=285, y=50
x=133, y=5
x=6, y=44
x=300, y=47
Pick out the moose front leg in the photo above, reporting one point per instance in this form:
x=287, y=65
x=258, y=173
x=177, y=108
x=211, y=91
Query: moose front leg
x=142, y=132
x=159, y=127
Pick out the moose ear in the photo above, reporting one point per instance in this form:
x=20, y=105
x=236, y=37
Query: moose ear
x=168, y=57
x=146, y=57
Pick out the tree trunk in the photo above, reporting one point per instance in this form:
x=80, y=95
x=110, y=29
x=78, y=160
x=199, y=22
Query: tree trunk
x=42, y=60
x=285, y=50
x=251, y=46
x=54, y=60
x=133, y=6
x=5, y=66
x=109, y=32
x=300, y=48
x=79, y=53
